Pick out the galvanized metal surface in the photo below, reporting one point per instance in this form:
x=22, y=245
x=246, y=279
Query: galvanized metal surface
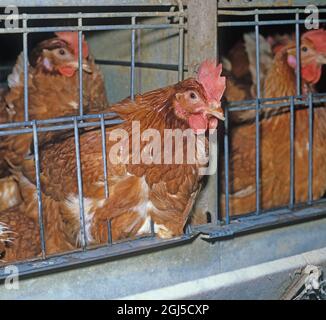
x=263, y=281
x=84, y=257
x=202, y=31
x=153, y=49
x=188, y=262
x=264, y=221
x=266, y=3
x=85, y=3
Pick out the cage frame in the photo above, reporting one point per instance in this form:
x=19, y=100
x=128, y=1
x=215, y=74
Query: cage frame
x=216, y=230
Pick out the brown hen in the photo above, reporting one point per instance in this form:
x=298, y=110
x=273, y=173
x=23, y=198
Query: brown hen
x=141, y=191
x=53, y=92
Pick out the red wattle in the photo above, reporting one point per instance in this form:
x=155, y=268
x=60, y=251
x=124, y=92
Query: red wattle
x=311, y=73
x=198, y=122
x=67, y=71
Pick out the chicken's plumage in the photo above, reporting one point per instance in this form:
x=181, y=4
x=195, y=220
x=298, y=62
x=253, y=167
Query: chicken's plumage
x=141, y=191
x=53, y=92
x=19, y=236
x=275, y=138
x=53, y=88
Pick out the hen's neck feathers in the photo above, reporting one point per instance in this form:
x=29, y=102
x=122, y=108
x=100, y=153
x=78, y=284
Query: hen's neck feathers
x=280, y=80
x=154, y=109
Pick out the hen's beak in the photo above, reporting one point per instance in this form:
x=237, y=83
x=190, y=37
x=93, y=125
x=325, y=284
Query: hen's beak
x=321, y=58
x=85, y=66
x=216, y=110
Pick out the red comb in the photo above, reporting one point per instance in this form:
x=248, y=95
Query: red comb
x=209, y=75
x=72, y=39
x=318, y=38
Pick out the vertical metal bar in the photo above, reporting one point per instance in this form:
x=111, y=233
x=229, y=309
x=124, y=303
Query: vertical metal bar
x=152, y=228
x=133, y=50
x=298, y=55
x=257, y=55
x=80, y=65
x=110, y=242
x=181, y=48
x=257, y=115
x=310, y=151
x=292, y=199
x=188, y=229
x=105, y=168
x=38, y=189
x=80, y=188
x=226, y=166
x=257, y=157
x=25, y=58
x=139, y=73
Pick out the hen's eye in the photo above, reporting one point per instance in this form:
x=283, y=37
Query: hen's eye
x=62, y=52
x=304, y=49
x=193, y=95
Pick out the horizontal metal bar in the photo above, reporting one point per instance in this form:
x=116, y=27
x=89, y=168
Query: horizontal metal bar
x=86, y=3
x=91, y=28
x=59, y=127
x=264, y=221
x=263, y=23
x=263, y=12
x=250, y=104
x=5, y=68
x=96, y=15
x=56, y=120
x=267, y=3
x=148, y=65
x=231, y=108
x=95, y=255
x=241, y=102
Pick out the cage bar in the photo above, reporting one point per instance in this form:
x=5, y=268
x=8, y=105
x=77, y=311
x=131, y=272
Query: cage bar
x=38, y=190
x=83, y=236
x=105, y=167
x=132, y=65
x=226, y=166
x=298, y=55
x=257, y=115
x=25, y=54
x=310, y=150
x=80, y=66
x=292, y=197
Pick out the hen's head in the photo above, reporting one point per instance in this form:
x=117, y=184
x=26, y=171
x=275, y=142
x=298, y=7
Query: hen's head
x=59, y=55
x=198, y=101
x=313, y=55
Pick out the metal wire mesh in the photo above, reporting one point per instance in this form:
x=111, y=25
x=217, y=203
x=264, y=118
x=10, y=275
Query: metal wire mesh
x=253, y=18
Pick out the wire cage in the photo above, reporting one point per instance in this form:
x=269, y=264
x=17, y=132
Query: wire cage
x=189, y=39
